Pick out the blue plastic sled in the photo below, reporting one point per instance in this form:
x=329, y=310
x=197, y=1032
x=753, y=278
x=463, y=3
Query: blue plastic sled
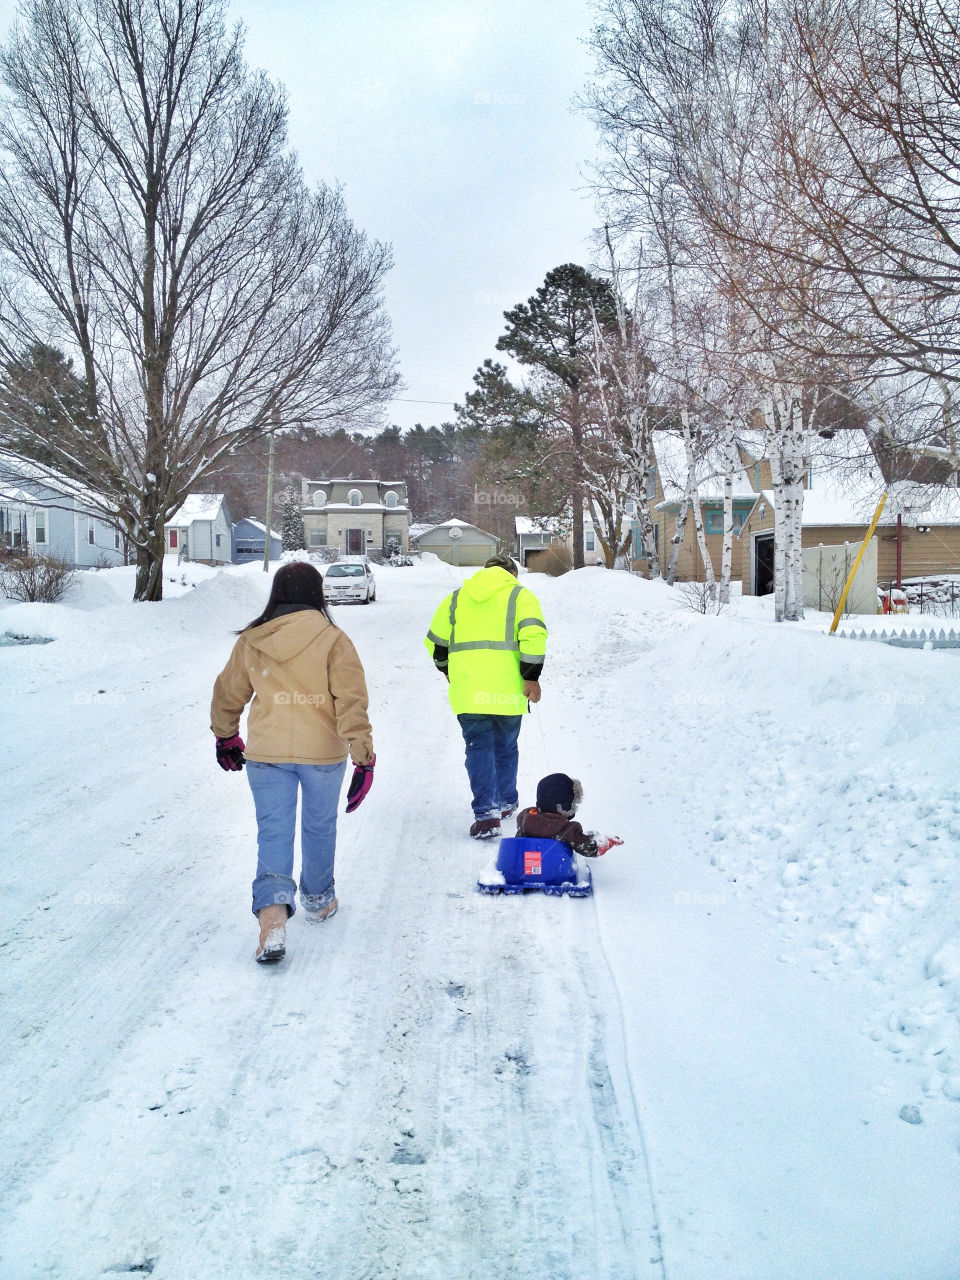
x=549, y=866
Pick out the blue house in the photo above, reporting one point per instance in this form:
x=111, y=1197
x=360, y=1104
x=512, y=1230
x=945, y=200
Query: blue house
x=44, y=512
x=249, y=540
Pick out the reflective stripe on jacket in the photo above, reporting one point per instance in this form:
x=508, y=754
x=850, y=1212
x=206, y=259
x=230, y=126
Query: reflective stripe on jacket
x=488, y=626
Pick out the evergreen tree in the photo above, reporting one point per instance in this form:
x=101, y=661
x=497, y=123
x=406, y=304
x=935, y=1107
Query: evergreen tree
x=40, y=398
x=292, y=533
x=554, y=333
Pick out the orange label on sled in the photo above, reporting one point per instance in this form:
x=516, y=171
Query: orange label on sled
x=531, y=862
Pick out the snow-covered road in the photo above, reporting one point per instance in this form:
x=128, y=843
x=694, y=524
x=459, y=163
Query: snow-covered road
x=429, y=1086
x=435, y=1084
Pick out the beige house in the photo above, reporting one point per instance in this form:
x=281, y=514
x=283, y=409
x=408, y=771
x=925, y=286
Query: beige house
x=753, y=520
x=356, y=516
x=457, y=542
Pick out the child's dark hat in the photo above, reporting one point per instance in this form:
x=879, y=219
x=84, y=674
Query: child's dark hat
x=559, y=793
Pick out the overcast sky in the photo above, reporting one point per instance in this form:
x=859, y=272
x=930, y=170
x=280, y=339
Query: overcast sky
x=449, y=124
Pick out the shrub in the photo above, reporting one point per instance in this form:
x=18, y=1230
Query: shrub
x=700, y=597
x=36, y=579
x=554, y=560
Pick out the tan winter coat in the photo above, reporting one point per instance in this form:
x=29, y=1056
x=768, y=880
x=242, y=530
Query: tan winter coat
x=309, y=694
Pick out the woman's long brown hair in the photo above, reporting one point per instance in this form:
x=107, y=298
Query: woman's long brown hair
x=295, y=583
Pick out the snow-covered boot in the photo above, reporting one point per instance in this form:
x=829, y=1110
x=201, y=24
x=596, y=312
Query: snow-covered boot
x=486, y=829
x=273, y=934
x=508, y=812
x=322, y=913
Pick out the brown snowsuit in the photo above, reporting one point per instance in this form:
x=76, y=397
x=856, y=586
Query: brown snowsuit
x=533, y=824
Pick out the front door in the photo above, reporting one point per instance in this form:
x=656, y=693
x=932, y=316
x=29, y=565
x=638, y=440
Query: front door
x=355, y=542
x=763, y=564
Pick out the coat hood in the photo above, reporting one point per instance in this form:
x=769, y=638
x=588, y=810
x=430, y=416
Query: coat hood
x=488, y=582
x=284, y=637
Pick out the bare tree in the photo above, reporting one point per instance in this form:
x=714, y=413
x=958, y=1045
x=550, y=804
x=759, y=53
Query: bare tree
x=156, y=227
x=696, y=111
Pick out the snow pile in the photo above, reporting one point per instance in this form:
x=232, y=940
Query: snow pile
x=818, y=776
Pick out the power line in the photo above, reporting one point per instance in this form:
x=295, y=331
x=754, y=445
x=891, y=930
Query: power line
x=451, y=403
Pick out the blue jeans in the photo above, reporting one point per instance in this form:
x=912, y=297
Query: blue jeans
x=492, y=756
x=274, y=788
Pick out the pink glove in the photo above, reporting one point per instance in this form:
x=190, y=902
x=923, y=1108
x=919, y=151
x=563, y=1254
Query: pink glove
x=605, y=842
x=230, y=753
x=360, y=784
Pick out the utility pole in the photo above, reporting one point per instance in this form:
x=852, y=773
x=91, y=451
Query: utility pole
x=270, y=460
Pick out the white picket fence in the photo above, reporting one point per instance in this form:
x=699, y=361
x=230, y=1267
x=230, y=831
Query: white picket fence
x=913, y=639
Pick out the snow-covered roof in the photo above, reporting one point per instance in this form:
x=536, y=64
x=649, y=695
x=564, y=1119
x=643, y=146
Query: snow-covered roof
x=18, y=496
x=360, y=506
x=546, y=525
x=258, y=524
x=852, y=500
x=388, y=484
x=16, y=469
x=198, y=506
x=452, y=523
x=672, y=468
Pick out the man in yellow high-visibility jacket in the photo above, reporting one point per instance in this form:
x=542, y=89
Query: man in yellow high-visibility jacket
x=489, y=639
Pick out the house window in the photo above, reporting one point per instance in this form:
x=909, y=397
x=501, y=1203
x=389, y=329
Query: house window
x=319, y=498
x=589, y=540
x=40, y=519
x=217, y=539
x=116, y=540
x=173, y=539
x=714, y=521
x=640, y=547
x=652, y=482
x=630, y=507
x=390, y=499
x=91, y=532
x=318, y=537
x=354, y=497
x=11, y=531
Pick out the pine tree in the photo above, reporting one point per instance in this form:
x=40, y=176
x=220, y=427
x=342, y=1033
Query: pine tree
x=292, y=533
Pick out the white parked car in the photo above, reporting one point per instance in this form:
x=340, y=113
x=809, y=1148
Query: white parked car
x=349, y=581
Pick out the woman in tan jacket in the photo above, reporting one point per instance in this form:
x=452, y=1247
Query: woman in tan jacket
x=309, y=709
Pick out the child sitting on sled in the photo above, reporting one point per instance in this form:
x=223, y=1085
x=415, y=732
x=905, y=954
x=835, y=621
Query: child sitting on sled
x=558, y=797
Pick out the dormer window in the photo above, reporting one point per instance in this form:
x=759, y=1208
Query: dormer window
x=319, y=498
x=390, y=498
x=354, y=497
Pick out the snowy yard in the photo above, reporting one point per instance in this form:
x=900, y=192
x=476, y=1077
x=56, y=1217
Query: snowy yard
x=739, y=1060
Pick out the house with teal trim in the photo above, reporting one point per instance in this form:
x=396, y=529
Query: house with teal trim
x=753, y=517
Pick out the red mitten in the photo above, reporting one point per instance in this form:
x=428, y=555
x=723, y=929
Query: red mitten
x=230, y=753
x=605, y=842
x=360, y=784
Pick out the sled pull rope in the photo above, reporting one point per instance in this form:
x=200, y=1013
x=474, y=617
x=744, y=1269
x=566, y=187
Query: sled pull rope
x=543, y=737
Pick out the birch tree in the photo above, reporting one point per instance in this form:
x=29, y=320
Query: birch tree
x=690, y=100
x=625, y=384
x=155, y=225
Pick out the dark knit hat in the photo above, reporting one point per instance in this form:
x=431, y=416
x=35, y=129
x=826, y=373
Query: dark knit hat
x=559, y=793
x=502, y=562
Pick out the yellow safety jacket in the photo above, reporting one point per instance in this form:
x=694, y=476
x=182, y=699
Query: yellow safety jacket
x=489, y=626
